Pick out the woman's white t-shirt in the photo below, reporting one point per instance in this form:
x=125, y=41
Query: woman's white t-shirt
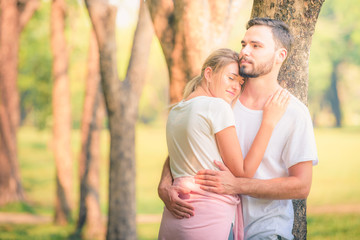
x=190, y=134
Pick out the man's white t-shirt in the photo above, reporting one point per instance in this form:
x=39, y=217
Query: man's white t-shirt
x=292, y=142
x=190, y=134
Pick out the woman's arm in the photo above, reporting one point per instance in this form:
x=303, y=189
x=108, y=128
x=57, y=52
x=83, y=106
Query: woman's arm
x=228, y=143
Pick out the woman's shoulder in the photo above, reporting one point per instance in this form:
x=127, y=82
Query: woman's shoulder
x=218, y=101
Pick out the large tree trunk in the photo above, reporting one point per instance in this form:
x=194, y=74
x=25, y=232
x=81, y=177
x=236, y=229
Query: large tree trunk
x=121, y=100
x=61, y=114
x=13, y=17
x=301, y=16
x=188, y=31
x=333, y=94
x=89, y=161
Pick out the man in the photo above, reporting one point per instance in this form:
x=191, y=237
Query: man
x=286, y=169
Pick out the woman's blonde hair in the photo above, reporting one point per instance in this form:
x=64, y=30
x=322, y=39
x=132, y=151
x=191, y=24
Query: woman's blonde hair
x=216, y=61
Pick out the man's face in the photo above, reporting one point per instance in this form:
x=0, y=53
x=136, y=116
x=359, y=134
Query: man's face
x=258, y=52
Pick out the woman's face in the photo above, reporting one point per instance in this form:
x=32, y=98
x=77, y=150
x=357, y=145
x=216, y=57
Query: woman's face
x=226, y=84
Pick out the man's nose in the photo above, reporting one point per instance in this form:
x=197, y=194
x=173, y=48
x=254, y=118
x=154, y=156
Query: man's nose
x=245, y=51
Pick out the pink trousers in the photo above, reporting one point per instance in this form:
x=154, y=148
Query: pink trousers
x=214, y=215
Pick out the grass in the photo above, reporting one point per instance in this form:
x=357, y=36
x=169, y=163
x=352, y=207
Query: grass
x=336, y=179
x=335, y=182
x=334, y=226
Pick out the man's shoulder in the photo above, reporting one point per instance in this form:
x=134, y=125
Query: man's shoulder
x=297, y=108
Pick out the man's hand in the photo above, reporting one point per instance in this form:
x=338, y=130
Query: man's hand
x=178, y=207
x=221, y=182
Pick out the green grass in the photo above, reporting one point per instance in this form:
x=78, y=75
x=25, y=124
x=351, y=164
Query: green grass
x=334, y=226
x=34, y=232
x=336, y=181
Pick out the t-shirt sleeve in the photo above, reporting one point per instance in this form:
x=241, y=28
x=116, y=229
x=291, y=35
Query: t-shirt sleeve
x=220, y=115
x=301, y=144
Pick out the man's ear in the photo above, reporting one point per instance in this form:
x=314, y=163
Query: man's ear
x=208, y=74
x=281, y=55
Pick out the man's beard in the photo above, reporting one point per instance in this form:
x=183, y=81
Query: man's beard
x=262, y=69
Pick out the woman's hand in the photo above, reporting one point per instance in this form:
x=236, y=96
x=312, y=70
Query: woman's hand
x=275, y=107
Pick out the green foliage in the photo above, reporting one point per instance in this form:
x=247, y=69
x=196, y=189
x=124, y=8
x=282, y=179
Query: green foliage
x=78, y=27
x=34, y=79
x=336, y=42
x=154, y=100
x=35, y=64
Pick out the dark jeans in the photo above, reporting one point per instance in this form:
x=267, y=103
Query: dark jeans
x=231, y=234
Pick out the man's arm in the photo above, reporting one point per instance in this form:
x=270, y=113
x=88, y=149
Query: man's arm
x=296, y=186
x=170, y=194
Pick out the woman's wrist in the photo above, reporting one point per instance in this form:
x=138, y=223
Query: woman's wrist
x=268, y=124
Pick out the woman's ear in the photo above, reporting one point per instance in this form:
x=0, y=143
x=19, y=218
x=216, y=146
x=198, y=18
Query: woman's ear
x=281, y=55
x=208, y=74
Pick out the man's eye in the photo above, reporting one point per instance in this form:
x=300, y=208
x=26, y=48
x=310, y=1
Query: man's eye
x=231, y=78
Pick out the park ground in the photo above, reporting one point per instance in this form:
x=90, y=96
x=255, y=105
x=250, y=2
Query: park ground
x=333, y=205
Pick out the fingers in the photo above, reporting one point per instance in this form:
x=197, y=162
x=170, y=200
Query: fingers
x=280, y=97
x=285, y=99
x=206, y=172
x=221, y=166
x=211, y=189
x=181, y=210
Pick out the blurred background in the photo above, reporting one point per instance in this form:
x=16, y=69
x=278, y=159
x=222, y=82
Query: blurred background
x=333, y=100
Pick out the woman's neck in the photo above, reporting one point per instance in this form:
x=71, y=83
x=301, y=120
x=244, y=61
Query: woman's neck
x=199, y=91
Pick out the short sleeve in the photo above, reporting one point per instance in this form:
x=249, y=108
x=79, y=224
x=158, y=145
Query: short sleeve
x=301, y=145
x=220, y=115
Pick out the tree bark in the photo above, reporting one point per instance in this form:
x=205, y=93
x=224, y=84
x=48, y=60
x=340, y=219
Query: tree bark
x=188, y=31
x=61, y=115
x=121, y=100
x=89, y=211
x=13, y=17
x=301, y=16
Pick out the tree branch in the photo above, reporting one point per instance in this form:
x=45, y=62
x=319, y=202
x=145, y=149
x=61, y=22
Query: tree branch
x=163, y=17
x=26, y=11
x=140, y=51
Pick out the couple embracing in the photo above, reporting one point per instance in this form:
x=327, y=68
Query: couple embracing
x=238, y=151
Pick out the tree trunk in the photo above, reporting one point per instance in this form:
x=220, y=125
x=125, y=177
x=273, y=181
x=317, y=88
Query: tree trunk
x=61, y=114
x=333, y=94
x=89, y=211
x=121, y=100
x=301, y=16
x=188, y=31
x=13, y=17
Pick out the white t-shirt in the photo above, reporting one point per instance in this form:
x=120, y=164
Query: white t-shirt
x=190, y=134
x=292, y=142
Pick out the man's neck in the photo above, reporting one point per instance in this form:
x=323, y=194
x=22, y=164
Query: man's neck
x=257, y=91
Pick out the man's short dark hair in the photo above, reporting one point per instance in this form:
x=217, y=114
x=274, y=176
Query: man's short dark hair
x=280, y=30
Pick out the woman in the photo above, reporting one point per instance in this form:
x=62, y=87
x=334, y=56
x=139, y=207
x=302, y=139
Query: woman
x=201, y=129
